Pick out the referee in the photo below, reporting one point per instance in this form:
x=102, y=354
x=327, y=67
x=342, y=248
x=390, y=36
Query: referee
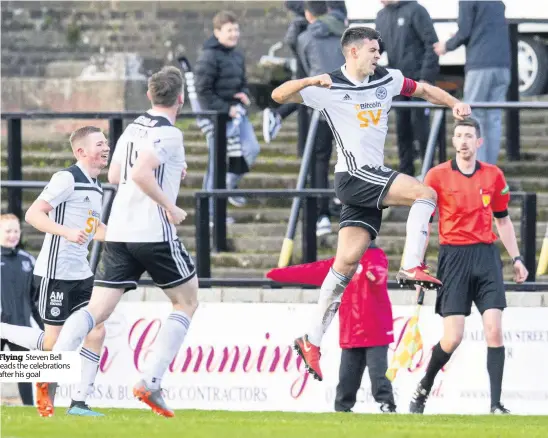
x=469, y=264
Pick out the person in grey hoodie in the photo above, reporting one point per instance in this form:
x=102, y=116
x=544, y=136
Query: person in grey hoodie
x=319, y=50
x=273, y=117
x=484, y=31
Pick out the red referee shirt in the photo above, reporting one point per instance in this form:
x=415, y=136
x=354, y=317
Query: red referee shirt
x=466, y=203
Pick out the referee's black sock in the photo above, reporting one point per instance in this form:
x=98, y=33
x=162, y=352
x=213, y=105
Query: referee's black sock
x=437, y=361
x=495, y=368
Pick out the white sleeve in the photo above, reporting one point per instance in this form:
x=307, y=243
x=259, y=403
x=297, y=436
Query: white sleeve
x=58, y=189
x=118, y=154
x=397, y=84
x=315, y=97
x=166, y=145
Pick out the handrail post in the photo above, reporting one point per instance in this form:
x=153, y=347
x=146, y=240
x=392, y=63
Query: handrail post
x=203, y=250
x=15, y=165
x=529, y=233
x=442, y=138
x=310, y=214
x=219, y=182
x=512, y=115
x=115, y=130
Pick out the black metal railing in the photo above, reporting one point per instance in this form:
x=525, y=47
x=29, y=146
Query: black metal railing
x=14, y=127
x=116, y=127
x=528, y=223
x=203, y=247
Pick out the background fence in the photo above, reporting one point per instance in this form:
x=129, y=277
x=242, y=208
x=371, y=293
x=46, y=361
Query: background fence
x=220, y=194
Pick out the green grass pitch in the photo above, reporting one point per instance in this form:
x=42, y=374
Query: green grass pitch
x=20, y=422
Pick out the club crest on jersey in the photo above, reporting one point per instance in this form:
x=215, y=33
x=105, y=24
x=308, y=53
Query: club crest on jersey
x=485, y=198
x=26, y=266
x=381, y=93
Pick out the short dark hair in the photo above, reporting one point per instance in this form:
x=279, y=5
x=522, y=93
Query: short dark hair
x=316, y=8
x=81, y=133
x=165, y=86
x=223, y=17
x=469, y=122
x=358, y=34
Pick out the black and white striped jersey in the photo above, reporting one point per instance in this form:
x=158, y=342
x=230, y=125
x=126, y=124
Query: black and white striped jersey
x=134, y=216
x=357, y=114
x=77, y=201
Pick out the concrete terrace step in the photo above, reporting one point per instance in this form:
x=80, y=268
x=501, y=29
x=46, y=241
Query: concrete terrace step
x=272, y=164
x=262, y=180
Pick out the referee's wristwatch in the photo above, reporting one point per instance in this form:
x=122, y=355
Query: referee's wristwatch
x=515, y=259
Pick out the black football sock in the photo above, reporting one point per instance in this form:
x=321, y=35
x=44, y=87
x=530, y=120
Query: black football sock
x=437, y=361
x=495, y=368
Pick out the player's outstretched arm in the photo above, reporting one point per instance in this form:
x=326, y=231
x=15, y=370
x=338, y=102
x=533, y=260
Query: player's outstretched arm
x=142, y=174
x=290, y=91
x=37, y=216
x=437, y=96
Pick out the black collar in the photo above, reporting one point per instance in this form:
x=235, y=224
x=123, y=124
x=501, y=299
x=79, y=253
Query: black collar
x=455, y=167
x=8, y=251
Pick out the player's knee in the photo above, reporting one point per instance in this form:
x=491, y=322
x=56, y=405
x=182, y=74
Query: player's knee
x=49, y=342
x=188, y=307
x=428, y=193
x=346, y=265
x=451, y=341
x=493, y=335
x=97, y=335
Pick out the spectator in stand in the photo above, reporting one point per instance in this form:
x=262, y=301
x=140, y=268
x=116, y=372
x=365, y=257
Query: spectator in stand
x=319, y=50
x=408, y=36
x=484, y=32
x=18, y=295
x=365, y=325
x=221, y=85
x=272, y=118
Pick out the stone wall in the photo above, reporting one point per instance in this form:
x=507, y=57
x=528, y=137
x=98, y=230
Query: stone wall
x=95, y=56
x=37, y=34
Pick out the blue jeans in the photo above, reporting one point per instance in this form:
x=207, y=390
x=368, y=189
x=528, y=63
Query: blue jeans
x=250, y=151
x=487, y=85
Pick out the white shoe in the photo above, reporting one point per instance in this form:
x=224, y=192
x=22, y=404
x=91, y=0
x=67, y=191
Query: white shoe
x=237, y=201
x=323, y=226
x=272, y=122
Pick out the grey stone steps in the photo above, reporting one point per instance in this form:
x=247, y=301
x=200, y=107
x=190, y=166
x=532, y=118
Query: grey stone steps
x=264, y=180
x=271, y=164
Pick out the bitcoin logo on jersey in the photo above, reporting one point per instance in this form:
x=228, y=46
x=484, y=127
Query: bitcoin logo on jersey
x=367, y=116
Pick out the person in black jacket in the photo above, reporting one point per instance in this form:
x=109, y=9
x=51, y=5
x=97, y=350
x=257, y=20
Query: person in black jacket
x=483, y=30
x=18, y=295
x=408, y=35
x=222, y=86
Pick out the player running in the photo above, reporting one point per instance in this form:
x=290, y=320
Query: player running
x=69, y=211
x=469, y=265
x=148, y=163
x=356, y=100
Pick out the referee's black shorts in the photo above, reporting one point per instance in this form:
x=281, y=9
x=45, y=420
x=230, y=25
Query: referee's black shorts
x=470, y=274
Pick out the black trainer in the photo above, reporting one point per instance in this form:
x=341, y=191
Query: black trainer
x=498, y=409
x=388, y=407
x=418, y=402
